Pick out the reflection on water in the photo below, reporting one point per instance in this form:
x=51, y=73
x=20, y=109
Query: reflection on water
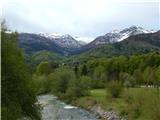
x=53, y=109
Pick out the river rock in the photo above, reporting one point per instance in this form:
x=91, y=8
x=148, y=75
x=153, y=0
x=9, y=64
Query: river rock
x=106, y=115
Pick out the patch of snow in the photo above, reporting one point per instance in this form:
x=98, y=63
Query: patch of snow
x=84, y=39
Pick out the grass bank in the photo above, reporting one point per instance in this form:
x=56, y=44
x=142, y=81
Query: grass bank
x=133, y=104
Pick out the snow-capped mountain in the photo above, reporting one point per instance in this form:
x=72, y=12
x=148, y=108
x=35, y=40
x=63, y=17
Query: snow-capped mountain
x=65, y=41
x=66, y=44
x=117, y=36
x=34, y=42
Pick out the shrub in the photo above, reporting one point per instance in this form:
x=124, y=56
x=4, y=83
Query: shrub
x=115, y=88
x=143, y=104
x=41, y=84
x=77, y=88
x=135, y=105
x=60, y=79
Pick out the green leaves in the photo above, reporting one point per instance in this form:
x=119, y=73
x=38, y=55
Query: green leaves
x=18, y=99
x=44, y=68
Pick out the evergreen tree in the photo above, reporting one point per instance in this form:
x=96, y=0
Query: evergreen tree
x=84, y=70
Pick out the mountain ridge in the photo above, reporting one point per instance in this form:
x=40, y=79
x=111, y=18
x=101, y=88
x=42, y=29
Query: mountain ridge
x=68, y=45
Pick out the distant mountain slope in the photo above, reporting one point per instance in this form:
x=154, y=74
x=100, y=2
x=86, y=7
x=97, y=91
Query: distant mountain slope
x=112, y=37
x=137, y=44
x=41, y=56
x=116, y=36
x=65, y=41
x=111, y=43
x=36, y=42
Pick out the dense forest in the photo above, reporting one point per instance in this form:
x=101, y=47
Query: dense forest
x=133, y=71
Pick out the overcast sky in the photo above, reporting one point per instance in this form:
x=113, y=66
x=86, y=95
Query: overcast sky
x=85, y=18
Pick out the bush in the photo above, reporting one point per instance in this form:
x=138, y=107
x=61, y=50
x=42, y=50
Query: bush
x=155, y=108
x=41, y=84
x=135, y=105
x=143, y=104
x=115, y=88
x=59, y=80
x=78, y=88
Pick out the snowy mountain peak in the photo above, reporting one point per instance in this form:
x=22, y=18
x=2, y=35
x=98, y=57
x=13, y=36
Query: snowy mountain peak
x=134, y=30
x=65, y=41
x=116, y=35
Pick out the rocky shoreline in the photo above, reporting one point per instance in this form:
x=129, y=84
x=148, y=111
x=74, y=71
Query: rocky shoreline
x=97, y=111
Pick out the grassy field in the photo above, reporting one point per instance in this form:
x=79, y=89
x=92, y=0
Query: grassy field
x=134, y=103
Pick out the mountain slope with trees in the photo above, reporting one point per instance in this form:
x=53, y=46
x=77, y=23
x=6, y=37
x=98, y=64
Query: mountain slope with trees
x=137, y=44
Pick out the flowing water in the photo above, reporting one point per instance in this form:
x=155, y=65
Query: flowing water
x=54, y=109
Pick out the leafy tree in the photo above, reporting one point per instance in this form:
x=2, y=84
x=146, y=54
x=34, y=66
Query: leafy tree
x=127, y=79
x=78, y=88
x=76, y=70
x=157, y=75
x=59, y=80
x=18, y=98
x=44, y=68
x=100, y=77
x=138, y=76
x=115, y=88
x=84, y=70
x=149, y=76
x=41, y=84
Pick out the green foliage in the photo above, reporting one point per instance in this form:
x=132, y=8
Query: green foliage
x=143, y=104
x=84, y=70
x=62, y=76
x=115, y=88
x=100, y=78
x=41, y=84
x=44, y=68
x=157, y=74
x=42, y=56
x=18, y=98
x=76, y=89
x=127, y=79
x=102, y=70
x=63, y=83
x=149, y=76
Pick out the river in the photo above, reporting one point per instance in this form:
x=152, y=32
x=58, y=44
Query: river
x=54, y=109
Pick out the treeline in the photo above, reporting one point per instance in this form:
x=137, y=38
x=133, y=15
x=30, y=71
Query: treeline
x=18, y=98
x=73, y=81
x=133, y=71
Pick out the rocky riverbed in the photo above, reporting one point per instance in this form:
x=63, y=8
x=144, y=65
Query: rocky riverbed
x=54, y=109
x=103, y=114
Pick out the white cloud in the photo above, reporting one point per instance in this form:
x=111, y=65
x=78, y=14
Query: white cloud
x=88, y=18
